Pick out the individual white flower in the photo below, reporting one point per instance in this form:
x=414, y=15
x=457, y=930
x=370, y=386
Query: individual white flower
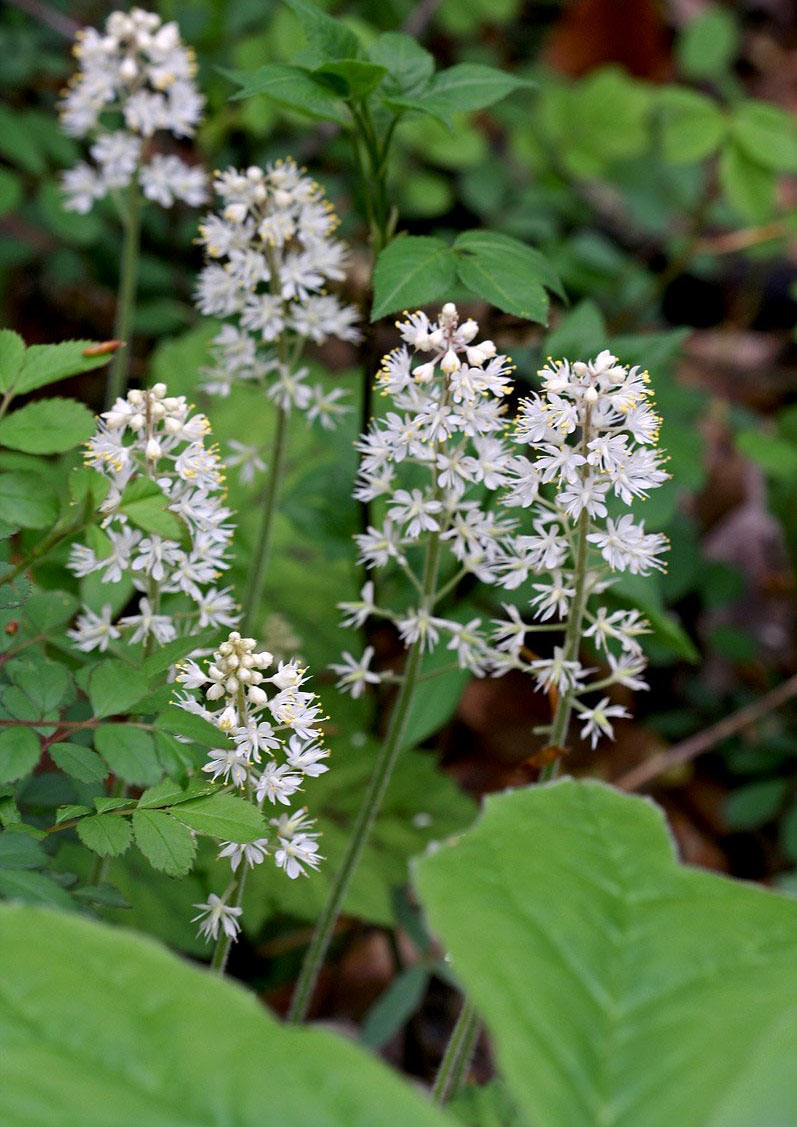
x=94, y=631
x=215, y=915
x=253, y=853
x=297, y=852
x=354, y=675
x=597, y=721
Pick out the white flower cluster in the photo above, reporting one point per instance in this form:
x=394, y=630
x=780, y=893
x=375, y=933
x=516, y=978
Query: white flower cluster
x=443, y=432
x=139, y=70
x=271, y=252
x=591, y=434
x=271, y=743
x=151, y=450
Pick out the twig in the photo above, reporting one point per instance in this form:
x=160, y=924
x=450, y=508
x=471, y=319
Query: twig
x=704, y=741
x=420, y=17
x=48, y=16
x=734, y=241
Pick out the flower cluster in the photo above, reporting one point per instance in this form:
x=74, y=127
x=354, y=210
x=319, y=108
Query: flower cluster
x=165, y=524
x=443, y=434
x=138, y=70
x=591, y=435
x=270, y=253
x=271, y=744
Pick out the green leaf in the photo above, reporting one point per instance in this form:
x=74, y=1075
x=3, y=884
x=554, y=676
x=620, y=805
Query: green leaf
x=749, y=186
x=168, y=793
x=767, y=135
x=692, y=125
x=350, y=78
x=506, y=272
x=389, y=1012
x=19, y=753
x=167, y=845
x=78, y=762
x=409, y=67
x=146, y=505
x=47, y=363
x=434, y=701
x=18, y=850
x=33, y=888
x=331, y=38
x=193, y=727
x=611, y=966
x=114, y=687
x=27, y=501
x=101, y=896
x=776, y=456
x=291, y=87
x=67, y=813
x=462, y=88
x=224, y=816
x=581, y=333
x=412, y=270
x=755, y=804
x=47, y=426
x=11, y=193
x=95, y=1019
x=103, y=803
x=12, y=351
x=709, y=42
x=106, y=834
x=48, y=609
x=129, y=752
x=175, y=651
x=44, y=683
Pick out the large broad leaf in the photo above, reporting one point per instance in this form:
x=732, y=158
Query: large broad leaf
x=48, y=426
x=507, y=273
x=101, y=1026
x=621, y=987
x=412, y=270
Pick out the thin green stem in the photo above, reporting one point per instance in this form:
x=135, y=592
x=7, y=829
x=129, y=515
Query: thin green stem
x=257, y=568
x=458, y=1055
x=126, y=299
x=372, y=802
x=9, y=395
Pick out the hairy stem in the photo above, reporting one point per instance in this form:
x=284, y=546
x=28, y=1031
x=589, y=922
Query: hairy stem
x=458, y=1055
x=371, y=804
x=257, y=568
x=126, y=298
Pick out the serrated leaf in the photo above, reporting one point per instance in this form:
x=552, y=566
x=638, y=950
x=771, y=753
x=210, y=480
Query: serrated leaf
x=175, y=651
x=44, y=683
x=114, y=687
x=48, y=609
x=67, y=813
x=101, y=895
x=168, y=846
x=409, y=67
x=47, y=363
x=767, y=134
x=412, y=270
x=224, y=816
x=506, y=272
x=19, y=850
x=168, y=793
x=749, y=186
x=350, y=78
x=193, y=727
x=47, y=426
x=331, y=38
x=104, y=803
x=27, y=500
x=692, y=125
x=105, y=834
x=612, y=966
x=78, y=762
x=95, y=1018
x=12, y=352
x=129, y=752
x=19, y=753
x=461, y=89
x=292, y=88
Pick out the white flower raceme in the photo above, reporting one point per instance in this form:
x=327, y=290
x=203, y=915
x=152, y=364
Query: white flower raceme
x=271, y=252
x=151, y=450
x=590, y=439
x=139, y=71
x=442, y=433
x=269, y=743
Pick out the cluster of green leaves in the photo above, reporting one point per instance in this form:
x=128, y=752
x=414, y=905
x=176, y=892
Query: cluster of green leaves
x=611, y=968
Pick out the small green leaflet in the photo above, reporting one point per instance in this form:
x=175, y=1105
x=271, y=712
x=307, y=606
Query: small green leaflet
x=413, y=269
x=224, y=816
x=47, y=426
x=147, y=507
x=19, y=753
x=463, y=88
x=106, y=834
x=114, y=687
x=167, y=845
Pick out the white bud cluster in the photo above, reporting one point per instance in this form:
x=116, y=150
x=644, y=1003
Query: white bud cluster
x=150, y=446
x=270, y=254
x=139, y=69
x=272, y=742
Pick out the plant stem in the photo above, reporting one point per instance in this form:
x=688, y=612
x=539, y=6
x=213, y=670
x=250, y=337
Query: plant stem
x=126, y=298
x=371, y=804
x=257, y=568
x=458, y=1055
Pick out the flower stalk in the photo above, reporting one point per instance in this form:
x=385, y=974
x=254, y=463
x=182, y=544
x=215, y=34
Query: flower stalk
x=260, y=556
x=126, y=297
x=458, y=1054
